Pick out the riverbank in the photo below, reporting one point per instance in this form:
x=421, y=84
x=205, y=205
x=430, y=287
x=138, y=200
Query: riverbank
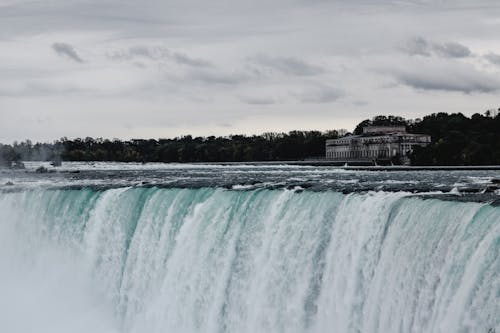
x=361, y=167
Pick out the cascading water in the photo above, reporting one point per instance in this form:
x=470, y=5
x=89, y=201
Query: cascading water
x=217, y=260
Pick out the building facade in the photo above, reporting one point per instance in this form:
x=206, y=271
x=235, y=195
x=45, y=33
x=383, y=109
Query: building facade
x=376, y=144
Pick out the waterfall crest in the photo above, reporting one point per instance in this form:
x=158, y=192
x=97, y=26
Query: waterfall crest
x=217, y=260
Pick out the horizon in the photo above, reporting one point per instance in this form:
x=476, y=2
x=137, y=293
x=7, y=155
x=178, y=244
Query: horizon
x=341, y=132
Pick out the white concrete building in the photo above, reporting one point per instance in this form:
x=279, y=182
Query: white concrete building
x=376, y=144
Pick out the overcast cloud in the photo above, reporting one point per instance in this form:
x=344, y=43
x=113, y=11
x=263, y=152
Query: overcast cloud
x=162, y=68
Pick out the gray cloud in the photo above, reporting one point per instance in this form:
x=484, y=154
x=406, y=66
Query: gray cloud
x=417, y=46
x=288, y=65
x=493, y=58
x=37, y=88
x=152, y=53
x=423, y=47
x=139, y=51
x=218, y=77
x=184, y=59
x=452, y=50
x=257, y=100
x=320, y=94
x=446, y=77
x=68, y=51
x=159, y=54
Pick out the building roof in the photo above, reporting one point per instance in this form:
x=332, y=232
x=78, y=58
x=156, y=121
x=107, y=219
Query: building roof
x=384, y=129
x=375, y=135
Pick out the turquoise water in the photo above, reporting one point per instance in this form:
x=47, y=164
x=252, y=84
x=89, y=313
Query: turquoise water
x=134, y=259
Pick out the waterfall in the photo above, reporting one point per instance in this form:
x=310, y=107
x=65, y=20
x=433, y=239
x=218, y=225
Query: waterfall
x=218, y=260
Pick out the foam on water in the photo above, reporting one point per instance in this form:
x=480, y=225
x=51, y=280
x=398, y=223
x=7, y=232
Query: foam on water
x=265, y=175
x=216, y=260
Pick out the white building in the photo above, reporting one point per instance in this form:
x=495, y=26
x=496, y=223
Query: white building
x=376, y=144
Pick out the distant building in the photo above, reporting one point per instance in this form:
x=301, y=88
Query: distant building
x=383, y=144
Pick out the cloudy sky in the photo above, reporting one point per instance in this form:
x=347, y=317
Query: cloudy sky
x=151, y=68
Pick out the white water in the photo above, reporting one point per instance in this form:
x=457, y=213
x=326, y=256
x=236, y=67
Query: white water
x=214, y=260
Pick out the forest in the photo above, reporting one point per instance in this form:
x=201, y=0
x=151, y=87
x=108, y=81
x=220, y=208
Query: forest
x=456, y=140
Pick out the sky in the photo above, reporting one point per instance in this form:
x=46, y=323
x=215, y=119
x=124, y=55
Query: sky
x=159, y=69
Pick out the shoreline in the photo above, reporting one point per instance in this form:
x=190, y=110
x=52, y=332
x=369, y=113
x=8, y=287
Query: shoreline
x=357, y=167
x=319, y=163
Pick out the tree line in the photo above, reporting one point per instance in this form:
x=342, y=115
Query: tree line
x=459, y=140
x=235, y=148
x=456, y=140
